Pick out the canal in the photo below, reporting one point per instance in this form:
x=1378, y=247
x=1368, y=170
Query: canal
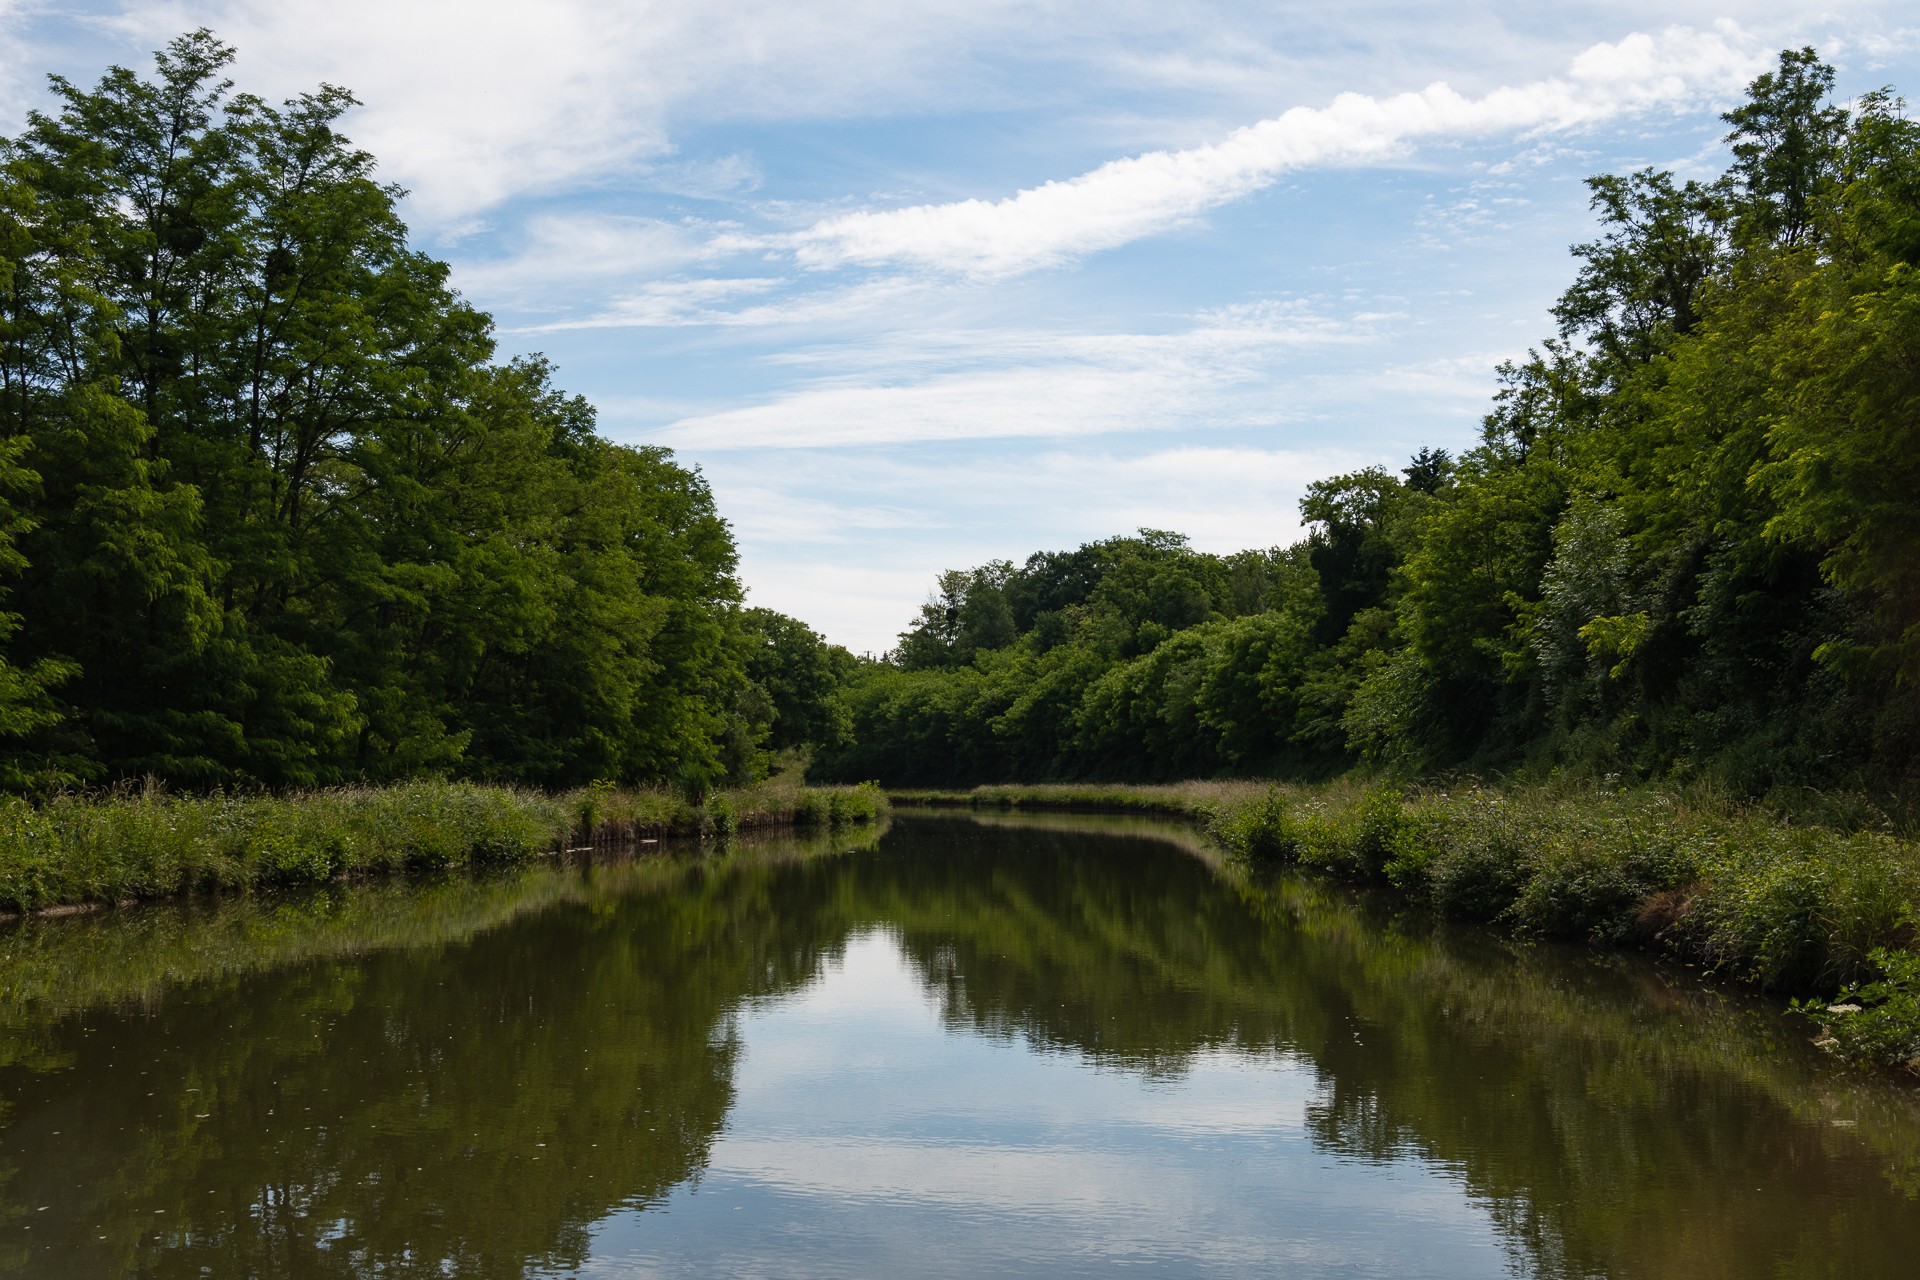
x=958, y=1046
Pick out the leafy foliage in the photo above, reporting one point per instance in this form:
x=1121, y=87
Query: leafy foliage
x=272, y=514
x=1684, y=546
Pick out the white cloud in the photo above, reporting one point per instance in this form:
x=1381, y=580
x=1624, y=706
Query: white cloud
x=1225, y=497
x=1000, y=385
x=703, y=302
x=666, y=303
x=471, y=102
x=17, y=73
x=468, y=101
x=762, y=513
x=862, y=606
x=474, y=102
x=1465, y=381
x=1124, y=200
x=558, y=250
x=1057, y=401
x=714, y=178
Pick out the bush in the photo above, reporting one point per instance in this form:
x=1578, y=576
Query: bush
x=1878, y=1021
x=1260, y=830
x=1594, y=876
x=1803, y=908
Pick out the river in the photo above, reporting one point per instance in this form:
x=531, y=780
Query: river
x=961, y=1046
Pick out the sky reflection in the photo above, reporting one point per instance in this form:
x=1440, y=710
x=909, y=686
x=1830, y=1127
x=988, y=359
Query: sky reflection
x=869, y=1134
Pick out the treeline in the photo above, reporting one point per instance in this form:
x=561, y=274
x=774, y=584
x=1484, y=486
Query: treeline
x=272, y=513
x=1687, y=544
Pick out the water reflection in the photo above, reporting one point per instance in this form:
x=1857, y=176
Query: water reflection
x=920, y=1151
x=972, y=1046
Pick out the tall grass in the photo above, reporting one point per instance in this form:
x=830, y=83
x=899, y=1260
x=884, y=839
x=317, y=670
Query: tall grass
x=58, y=966
x=1188, y=799
x=144, y=843
x=1732, y=889
x=606, y=815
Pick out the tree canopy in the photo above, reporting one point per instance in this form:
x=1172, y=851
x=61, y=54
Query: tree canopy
x=272, y=512
x=1687, y=543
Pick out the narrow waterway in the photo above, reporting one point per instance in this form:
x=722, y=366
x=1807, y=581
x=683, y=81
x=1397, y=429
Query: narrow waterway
x=959, y=1047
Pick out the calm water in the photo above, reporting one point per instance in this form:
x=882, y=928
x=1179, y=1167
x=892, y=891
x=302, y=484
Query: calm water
x=966, y=1048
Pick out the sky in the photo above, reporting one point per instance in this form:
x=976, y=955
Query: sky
x=921, y=285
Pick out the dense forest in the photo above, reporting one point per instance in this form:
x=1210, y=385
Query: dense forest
x=273, y=514
x=1687, y=545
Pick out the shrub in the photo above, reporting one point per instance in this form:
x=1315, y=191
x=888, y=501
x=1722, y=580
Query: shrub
x=1260, y=830
x=1878, y=1021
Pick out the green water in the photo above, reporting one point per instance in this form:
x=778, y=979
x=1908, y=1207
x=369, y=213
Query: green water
x=963, y=1047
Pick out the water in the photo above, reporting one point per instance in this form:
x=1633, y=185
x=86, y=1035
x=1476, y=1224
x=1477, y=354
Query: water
x=968, y=1047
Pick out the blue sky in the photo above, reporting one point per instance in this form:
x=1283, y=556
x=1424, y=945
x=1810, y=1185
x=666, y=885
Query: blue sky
x=921, y=285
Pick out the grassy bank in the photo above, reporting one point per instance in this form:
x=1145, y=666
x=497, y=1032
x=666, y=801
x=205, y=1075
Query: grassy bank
x=1806, y=910
x=132, y=844
x=57, y=966
x=604, y=815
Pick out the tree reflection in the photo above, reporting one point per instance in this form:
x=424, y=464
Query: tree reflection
x=408, y=1091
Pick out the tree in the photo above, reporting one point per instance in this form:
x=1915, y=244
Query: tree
x=290, y=523
x=1352, y=550
x=1639, y=285
x=804, y=679
x=1786, y=144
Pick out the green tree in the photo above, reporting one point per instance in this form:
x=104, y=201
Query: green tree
x=292, y=521
x=803, y=677
x=1786, y=141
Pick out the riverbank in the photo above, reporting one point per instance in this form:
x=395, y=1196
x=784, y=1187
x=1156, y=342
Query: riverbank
x=82, y=850
x=135, y=955
x=1802, y=910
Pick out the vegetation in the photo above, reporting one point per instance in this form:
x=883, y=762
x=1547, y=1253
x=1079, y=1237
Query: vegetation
x=272, y=515
x=147, y=843
x=281, y=535
x=1682, y=557
x=1682, y=550
x=1728, y=888
x=58, y=966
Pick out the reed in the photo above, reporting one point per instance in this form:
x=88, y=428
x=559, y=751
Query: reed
x=134, y=843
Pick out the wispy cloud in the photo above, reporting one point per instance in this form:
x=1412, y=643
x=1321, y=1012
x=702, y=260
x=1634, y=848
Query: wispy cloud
x=982, y=241
x=473, y=102
x=762, y=514
x=719, y=302
x=556, y=252
x=669, y=303
x=1002, y=385
x=1142, y=195
x=1225, y=498
x=19, y=77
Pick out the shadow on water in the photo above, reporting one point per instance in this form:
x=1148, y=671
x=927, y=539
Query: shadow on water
x=464, y=1077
